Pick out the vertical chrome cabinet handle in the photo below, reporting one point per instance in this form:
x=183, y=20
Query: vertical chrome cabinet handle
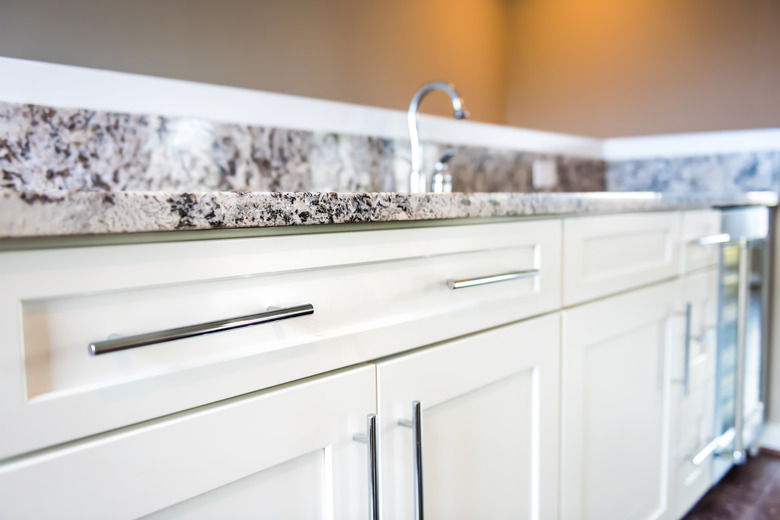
x=687, y=360
x=416, y=425
x=117, y=343
x=370, y=439
x=739, y=455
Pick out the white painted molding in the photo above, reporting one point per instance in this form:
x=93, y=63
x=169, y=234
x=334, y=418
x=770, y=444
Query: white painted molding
x=24, y=81
x=770, y=438
x=688, y=145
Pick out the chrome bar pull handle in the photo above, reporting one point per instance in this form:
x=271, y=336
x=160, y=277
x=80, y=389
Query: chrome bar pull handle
x=117, y=343
x=416, y=425
x=687, y=360
x=505, y=277
x=721, y=238
x=706, y=452
x=370, y=439
x=701, y=338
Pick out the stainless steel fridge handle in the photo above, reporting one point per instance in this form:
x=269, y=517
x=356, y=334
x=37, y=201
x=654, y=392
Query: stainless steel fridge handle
x=721, y=238
x=504, y=277
x=417, y=457
x=115, y=344
x=370, y=439
x=739, y=455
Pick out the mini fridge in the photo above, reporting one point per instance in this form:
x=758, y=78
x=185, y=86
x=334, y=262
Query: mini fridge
x=743, y=322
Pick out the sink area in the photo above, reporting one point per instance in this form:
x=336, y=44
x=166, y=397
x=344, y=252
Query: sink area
x=258, y=160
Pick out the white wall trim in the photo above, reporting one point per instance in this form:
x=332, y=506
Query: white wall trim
x=770, y=438
x=51, y=84
x=688, y=145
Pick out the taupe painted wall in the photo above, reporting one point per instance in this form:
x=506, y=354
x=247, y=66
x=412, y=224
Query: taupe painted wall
x=610, y=68
x=593, y=67
x=359, y=51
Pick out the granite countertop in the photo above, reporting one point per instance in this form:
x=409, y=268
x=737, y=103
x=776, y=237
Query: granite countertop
x=58, y=213
x=78, y=171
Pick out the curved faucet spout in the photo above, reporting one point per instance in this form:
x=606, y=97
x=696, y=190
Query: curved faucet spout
x=417, y=179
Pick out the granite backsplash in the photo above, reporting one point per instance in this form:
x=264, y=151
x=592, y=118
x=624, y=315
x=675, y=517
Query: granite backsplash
x=46, y=149
x=718, y=173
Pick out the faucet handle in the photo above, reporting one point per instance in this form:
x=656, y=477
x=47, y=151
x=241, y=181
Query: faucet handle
x=442, y=180
x=448, y=153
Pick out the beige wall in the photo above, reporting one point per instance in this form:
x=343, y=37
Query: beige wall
x=593, y=67
x=360, y=51
x=628, y=67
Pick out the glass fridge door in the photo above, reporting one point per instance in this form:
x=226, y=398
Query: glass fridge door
x=756, y=305
x=726, y=388
x=743, y=293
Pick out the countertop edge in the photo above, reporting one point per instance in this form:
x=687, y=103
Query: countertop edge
x=50, y=214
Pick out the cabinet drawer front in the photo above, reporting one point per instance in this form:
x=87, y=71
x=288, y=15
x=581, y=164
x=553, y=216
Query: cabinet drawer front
x=249, y=455
x=608, y=254
x=700, y=239
x=373, y=293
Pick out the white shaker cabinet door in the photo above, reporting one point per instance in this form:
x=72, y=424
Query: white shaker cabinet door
x=693, y=394
x=616, y=406
x=284, y=453
x=489, y=425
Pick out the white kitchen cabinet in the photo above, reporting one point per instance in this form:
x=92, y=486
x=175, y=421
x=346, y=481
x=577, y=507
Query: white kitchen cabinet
x=578, y=414
x=374, y=293
x=490, y=405
x=606, y=254
x=693, y=391
x=616, y=406
x=284, y=453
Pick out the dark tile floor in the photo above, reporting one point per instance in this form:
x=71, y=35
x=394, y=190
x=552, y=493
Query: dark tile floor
x=748, y=492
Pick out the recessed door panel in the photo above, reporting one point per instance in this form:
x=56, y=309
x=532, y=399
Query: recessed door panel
x=481, y=445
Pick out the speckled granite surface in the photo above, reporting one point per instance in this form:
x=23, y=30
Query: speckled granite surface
x=28, y=214
x=78, y=171
x=738, y=172
x=47, y=148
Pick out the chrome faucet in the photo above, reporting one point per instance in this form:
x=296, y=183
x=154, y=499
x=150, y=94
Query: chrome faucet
x=417, y=178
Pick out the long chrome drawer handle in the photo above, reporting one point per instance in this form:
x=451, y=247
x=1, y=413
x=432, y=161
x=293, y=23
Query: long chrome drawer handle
x=370, y=439
x=473, y=282
x=416, y=425
x=141, y=340
x=707, y=451
x=704, y=336
x=717, y=447
x=721, y=238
